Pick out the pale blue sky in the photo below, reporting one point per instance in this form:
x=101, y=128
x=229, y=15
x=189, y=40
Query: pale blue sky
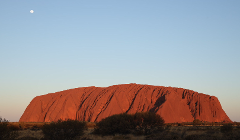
x=67, y=44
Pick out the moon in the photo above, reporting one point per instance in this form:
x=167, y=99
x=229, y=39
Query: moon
x=31, y=11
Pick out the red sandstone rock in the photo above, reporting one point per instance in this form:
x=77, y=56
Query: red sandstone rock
x=95, y=103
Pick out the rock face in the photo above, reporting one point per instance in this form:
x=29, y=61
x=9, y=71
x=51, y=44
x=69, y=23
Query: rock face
x=95, y=103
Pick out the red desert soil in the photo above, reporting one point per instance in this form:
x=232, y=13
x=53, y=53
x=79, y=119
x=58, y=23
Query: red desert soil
x=95, y=103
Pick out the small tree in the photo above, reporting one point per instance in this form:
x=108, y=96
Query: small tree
x=147, y=121
x=63, y=130
x=120, y=123
x=140, y=123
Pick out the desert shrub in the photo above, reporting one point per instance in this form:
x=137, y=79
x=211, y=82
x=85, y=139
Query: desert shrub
x=197, y=122
x=120, y=123
x=138, y=123
x=5, y=132
x=145, y=122
x=63, y=130
x=226, y=128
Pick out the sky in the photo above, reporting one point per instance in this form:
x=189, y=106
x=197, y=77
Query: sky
x=62, y=45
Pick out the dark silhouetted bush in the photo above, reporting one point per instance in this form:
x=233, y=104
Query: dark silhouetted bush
x=226, y=128
x=146, y=122
x=115, y=124
x=138, y=123
x=63, y=130
x=5, y=132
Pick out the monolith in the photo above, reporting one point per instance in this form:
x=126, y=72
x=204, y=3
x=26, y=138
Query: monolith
x=95, y=103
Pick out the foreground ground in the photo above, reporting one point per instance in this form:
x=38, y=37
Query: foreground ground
x=169, y=133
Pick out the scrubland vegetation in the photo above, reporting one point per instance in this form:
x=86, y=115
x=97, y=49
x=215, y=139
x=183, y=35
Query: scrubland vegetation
x=138, y=126
x=138, y=123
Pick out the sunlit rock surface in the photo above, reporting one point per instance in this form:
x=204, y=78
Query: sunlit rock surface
x=95, y=103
